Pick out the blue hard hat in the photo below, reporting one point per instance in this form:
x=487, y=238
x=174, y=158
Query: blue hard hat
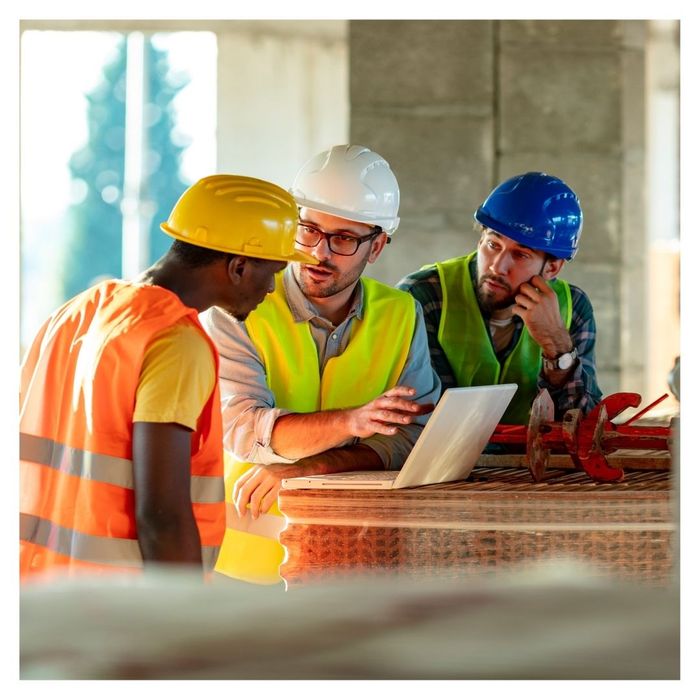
x=537, y=210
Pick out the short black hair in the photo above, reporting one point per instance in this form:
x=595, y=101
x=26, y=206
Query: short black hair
x=197, y=256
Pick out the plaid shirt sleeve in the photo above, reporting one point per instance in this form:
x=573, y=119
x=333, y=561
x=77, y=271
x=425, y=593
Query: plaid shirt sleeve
x=581, y=390
x=424, y=286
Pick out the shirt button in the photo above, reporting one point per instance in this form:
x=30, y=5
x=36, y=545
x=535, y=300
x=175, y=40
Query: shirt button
x=335, y=336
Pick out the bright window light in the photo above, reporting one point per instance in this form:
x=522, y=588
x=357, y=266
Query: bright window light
x=73, y=101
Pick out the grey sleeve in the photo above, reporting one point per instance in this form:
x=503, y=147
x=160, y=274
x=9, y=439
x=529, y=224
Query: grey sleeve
x=247, y=404
x=418, y=372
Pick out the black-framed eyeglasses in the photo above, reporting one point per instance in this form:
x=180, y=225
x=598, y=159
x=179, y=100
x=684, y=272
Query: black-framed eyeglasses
x=340, y=242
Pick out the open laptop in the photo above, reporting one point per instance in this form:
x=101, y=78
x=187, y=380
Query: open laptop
x=447, y=450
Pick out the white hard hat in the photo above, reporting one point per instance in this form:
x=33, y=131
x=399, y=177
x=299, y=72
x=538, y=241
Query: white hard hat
x=351, y=182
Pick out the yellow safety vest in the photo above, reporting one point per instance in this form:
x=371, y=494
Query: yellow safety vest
x=371, y=364
x=466, y=340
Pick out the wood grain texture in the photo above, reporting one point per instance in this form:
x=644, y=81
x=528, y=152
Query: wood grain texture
x=498, y=520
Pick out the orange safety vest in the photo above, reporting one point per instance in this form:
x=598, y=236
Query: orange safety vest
x=78, y=390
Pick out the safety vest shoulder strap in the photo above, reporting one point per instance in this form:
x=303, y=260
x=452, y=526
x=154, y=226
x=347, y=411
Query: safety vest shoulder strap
x=371, y=363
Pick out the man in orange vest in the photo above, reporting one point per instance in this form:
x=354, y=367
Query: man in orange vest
x=120, y=428
x=332, y=372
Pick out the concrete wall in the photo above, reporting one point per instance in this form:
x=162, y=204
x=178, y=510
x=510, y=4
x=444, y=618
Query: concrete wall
x=457, y=106
x=282, y=93
x=663, y=220
x=422, y=95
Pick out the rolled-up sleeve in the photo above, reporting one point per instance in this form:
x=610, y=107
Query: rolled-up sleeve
x=581, y=390
x=418, y=373
x=247, y=404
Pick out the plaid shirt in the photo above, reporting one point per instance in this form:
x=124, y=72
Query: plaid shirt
x=580, y=391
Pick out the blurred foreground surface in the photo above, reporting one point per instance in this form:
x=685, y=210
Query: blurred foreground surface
x=549, y=622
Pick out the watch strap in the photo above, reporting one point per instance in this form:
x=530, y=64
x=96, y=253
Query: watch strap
x=555, y=362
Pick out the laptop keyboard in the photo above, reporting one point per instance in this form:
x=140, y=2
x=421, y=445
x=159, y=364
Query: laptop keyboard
x=365, y=476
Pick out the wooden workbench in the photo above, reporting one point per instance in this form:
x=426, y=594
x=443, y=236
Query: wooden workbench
x=497, y=520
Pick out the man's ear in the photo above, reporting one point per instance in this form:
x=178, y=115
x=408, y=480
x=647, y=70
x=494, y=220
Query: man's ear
x=236, y=268
x=377, y=246
x=552, y=268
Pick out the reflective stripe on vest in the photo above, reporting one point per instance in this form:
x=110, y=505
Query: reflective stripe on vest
x=371, y=364
x=107, y=551
x=110, y=470
x=78, y=388
x=111, y=551
x=465, y=338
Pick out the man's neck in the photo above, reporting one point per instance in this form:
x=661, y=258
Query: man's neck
x=502, y=314
x=337, y=307
x=171, y=276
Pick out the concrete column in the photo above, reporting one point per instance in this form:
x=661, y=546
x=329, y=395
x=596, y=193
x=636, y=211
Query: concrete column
x=571, y=102
x=283, y=95
x=421, y=94
x=457, y=106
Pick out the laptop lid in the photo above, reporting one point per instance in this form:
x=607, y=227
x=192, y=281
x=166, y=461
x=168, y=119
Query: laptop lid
x=455, y=435
x=448, y=447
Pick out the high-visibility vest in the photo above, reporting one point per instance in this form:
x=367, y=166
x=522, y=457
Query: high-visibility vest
x=465, y=338
x=78, y=390
x=371, y=364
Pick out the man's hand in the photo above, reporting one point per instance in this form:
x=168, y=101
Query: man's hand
x=385, y=412
x=259, y=487
x=304, y=435
x=537, y=304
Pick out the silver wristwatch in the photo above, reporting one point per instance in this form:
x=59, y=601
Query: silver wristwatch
x=563, y=361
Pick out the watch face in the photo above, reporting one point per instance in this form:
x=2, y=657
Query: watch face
x=565, y=361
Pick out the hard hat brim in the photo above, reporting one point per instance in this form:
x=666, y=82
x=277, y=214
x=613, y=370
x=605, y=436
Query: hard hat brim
x=528, y=241
x=387, y=225
x=297, y=256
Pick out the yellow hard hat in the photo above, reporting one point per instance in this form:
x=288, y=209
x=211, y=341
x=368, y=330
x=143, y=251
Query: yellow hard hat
x=240, y=215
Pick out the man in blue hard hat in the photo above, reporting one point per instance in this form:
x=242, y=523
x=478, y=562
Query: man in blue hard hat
x=501, y=314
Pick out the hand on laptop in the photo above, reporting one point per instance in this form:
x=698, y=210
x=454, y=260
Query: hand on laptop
x=259, y=487
x=384, y=413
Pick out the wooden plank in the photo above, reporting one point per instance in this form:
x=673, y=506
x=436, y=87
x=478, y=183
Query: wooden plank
x=496, y=520
x=624, y=459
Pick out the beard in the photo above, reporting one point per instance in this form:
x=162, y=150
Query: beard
x=488, y=300
x=329, y=287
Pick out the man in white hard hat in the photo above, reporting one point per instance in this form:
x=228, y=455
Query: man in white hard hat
x=332, y=372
